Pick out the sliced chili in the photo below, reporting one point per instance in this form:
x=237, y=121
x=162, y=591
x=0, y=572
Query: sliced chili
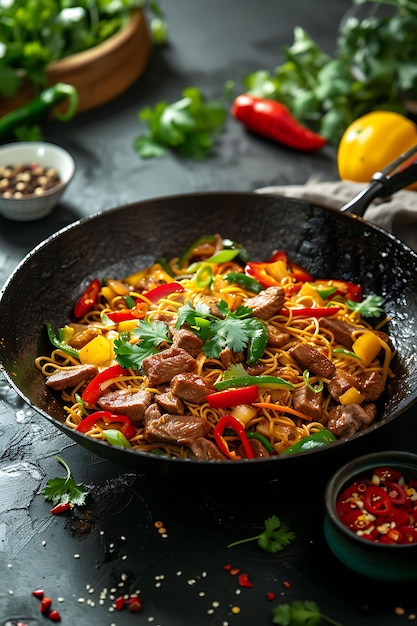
x=137, y=312
x=377, y=501
x=228, y=421
x=163, y=291
x=88, y=299
x=127, y=428
x=311, y=311
x=233, y=397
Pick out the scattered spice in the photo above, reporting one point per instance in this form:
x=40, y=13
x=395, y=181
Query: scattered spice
x=24, y=180
x=270, y=595
x=244, y=581
x=45, y=604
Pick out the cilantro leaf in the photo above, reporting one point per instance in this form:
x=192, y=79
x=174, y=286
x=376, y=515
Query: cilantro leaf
x=63, y=490
x=298, y=613
x=274, y=538
x=371, y=306
x=150, y=334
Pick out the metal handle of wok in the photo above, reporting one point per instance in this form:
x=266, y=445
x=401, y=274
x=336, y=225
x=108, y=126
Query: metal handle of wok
x=384, y=183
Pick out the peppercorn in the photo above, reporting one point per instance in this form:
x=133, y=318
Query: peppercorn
x=24, y=180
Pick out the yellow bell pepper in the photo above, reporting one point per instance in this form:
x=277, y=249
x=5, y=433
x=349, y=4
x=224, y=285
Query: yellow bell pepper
x=351, y=396
x=366, y=347
x=98, y=351
x=372, y=142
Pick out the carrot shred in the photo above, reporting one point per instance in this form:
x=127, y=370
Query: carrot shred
x=282, y=409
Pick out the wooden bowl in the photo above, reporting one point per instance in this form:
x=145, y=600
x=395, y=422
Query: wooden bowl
x=100, y=73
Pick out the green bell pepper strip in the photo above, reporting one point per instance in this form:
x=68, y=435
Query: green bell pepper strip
x=245, y=281
x=165, y=266
x=116, y=438
x=39, y=107
x=223, y=256
x=271, y=382
x=61, y=345
x=188, y=252
x=253, y=434
x=347, y=353
x=316, y=440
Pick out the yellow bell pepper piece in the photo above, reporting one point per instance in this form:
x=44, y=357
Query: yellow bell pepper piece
x=351, y=396
x=98, y=351
x=126, y=326
x=373, y=141
x=366, y=347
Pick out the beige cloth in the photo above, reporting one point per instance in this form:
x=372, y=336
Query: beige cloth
x=397, y=215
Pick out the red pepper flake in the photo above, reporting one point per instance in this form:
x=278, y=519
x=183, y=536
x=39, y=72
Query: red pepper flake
x=286, y=584
x=244, y=581
x=60, y=508
x=54, y=616
x=235, y=571
x=38, y=593
x=45, y=604
x=119, y=603
x=135, y=604
x=227, y=567
x=270, y=595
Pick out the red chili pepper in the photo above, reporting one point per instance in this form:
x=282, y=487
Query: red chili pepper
x=274, y=121
x=45, y=604
x=54, y=616
x=377, y=501
x=409, y=534
x=270, y=595
x=162, y=291
x=309, y=311
x=232, y=397
x=135, y=604
x=138, y=312
x=61, y=508
x=127, y=427
x=396, y=493
x=88, y=299
x=244, y=581
x=99, y=383
x=228, y=421
x=38, y=593
x=387, y=473
x=119, y=603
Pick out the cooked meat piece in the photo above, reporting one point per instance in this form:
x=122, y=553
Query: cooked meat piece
x=180, y=429
x=124, y=402
x=267, y=303
x=276, y=338
x=371, y=385
x=170, y=403
x=85, y=334
x=341, y=382
x=162, y=367
x=205, y=450
x=71, y=376
x=187, y=340
x=191, y=387
x=152, y=412
x=310, y=358
x=228, y=357
x=342, y=331
x=259, y=451
x=308, y=402
x=257, y=369
x=344, y=421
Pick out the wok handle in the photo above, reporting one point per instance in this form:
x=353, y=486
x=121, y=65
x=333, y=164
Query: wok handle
x=384, y=183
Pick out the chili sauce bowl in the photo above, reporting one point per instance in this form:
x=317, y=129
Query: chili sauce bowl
x=361, y=547
x=28, y=206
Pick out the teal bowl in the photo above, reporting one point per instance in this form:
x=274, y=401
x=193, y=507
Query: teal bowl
x=378, y=561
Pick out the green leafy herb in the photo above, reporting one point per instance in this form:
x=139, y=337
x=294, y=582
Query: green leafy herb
x=150, y=335
x=274, y=538
x=63, y=490
x=237, y=330
x=371, y=306
x=187, y=126
x=298, y=613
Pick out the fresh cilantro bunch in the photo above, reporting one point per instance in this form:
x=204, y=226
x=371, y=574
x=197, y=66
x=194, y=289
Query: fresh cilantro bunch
x=150, y=334
x=371, y=306
x=274, y=538
x=64, y=490
x=187, y=126
x=300, y=614
x=237, y=330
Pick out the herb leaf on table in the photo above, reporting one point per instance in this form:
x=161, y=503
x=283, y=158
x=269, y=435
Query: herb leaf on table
x=298, y=613
x=274, y=538
x=63, y=490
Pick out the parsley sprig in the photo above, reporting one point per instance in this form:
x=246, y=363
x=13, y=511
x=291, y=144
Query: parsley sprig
x=371, y=306
x=63, y=490
x=274, y=538
x=298, y=613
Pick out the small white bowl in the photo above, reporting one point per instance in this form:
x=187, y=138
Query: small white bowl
x=34, y=207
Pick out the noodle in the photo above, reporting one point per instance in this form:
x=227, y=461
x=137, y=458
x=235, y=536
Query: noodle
x=276, y=414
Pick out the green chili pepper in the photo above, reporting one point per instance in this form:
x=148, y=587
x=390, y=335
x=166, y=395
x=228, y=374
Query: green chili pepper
x=273, y=382
x=345, y=352
x=204, y=276
x=223, y=256
x=247, y=282
x=39, y=107
x=253, y=434
x=116, y=438
x=61, y=345
x=319, y=387
x=316, y=440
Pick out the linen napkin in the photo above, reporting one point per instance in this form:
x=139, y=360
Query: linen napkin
x=397, y=214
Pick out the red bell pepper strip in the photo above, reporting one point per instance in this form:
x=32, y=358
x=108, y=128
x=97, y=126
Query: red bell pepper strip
x=232, y=397
x=273, y=120
x=162, y=291
x=99, y=383
x=319, y=311
x=138, y=312
x=88, y=299
x=108, y=418
x=228, y=421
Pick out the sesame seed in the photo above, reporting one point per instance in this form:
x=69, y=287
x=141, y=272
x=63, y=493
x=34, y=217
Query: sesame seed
x=9, y=565
x=60, y=599
x=81, y=600
x=101, y=532
x=77, y=556
x=123, y=538
x=215, y=604
x=11, y=592
x=235, y=610
x=202, y=594
x=44, y=543
x=411, y=616
x=124, y=557
x=179, y=573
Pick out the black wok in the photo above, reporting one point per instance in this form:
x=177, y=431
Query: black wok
x=115, y=243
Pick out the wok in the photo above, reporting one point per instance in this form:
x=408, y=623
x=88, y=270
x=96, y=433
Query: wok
x=117, y=242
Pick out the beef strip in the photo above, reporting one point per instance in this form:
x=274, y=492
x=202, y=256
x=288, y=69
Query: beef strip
x=344, y=421
x=371, y=385
x=153, y=411
x=341, y=382
x=310, y=358
x=342, y=331
x=267, y=303
x=276, y=338
x=205, y=450
x=228, y=357
x=124, y=402
x=170, y=403
x=71, y=376
x=259, y=451
x=191, y=387
x=187, y=340
x=179, y=429
x=308, y=402
x=84, y=335
x=162, y=367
